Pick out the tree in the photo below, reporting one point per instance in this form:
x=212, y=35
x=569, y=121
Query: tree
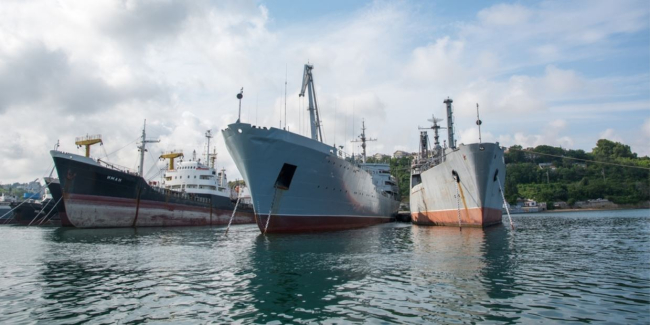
x=515, y=155
x=606, y=149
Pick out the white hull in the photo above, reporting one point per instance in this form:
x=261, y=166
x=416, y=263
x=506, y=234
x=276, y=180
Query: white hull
x=475, y=200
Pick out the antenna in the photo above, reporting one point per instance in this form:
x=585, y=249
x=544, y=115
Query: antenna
x=240, y=96
x=143, y=149
x=435, y=127
x=285, y=96
x=213, y=157
x=208, y=135
x=478, y=122
x=363, y=139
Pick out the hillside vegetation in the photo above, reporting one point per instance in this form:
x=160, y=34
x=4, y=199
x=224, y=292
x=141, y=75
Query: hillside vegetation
x=566, y=179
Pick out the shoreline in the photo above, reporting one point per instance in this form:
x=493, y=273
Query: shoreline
x=587, y=209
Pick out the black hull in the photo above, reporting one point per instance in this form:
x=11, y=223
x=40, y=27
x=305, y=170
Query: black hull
x=26, y=213
x=57, y=194
x=100, y=197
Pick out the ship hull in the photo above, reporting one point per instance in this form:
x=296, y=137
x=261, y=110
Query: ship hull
x=323, y=192
x=57, y=196
x=98, y=197
x=473, y=199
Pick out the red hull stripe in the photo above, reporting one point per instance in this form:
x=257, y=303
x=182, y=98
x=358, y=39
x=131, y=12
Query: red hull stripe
x=124, y=202
x=284, y=223
x=475, y=217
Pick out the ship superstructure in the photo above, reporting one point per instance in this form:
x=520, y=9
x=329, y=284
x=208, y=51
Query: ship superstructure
x=302, y=184
x=456, y=185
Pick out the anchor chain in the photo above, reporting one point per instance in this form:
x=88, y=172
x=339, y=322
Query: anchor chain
x=458, y=207
x=505, y=203
x=233, y=213
x=268, y=219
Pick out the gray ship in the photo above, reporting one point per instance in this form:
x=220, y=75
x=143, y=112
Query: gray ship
x=457, y=185
x=301, y=184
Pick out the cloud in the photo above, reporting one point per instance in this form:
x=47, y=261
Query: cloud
x=41, y=77
x=77, y=67
x=138, y=23
x=646, y=128
x=504, y=15
x=610, y=134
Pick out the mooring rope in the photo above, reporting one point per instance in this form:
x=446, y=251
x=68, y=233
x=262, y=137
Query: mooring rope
x=53, y=208
x=233, y=212
x=505, y=203
x=460, y=225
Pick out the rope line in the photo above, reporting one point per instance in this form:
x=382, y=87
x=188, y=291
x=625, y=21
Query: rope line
x=579, y=159
x=233, y=213
x=458, y=207
x=53, y=208
x=505, y=203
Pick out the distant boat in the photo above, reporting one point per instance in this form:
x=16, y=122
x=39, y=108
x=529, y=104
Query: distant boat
x=101, y=195
x=301, y=184
x=5, y=209
x=456, y=185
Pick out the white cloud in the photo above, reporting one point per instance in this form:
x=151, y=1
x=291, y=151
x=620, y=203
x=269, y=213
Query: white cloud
x=646, y=128
x=73, y=68
x=610, y=134
x=505, y=14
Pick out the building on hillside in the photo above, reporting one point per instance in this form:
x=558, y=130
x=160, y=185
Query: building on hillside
x=400, y=154
x=380, y=156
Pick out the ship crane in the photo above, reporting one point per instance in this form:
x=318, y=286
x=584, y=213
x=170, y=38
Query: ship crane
x=171, y=155
x=88, y=141
x=363, y=139
x=308, y=83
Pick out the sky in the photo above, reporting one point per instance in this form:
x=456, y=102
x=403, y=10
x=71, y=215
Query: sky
x=560, y=73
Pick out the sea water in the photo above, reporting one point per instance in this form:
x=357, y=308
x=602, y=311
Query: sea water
x=591, y=266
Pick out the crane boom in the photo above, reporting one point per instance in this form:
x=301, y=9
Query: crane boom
x=308, y=84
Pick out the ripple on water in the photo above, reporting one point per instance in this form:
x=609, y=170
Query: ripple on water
x=588, y=267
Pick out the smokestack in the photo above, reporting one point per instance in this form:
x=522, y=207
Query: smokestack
x=450, y=123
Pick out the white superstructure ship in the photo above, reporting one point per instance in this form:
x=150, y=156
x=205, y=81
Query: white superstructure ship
x=456, y=185
x=302, y=184
x=99, y=195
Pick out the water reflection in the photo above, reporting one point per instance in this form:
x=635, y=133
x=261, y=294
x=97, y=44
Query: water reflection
x=296, y=275
x=578, y=267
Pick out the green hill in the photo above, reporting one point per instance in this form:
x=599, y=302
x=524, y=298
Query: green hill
x=610, y=171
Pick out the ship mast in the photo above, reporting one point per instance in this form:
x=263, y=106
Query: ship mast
x=208, y=135
x=424, y=138
x=213, y=157
x=240, y=96
x=142, y=148
x=363, y=139
x=308, y=82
